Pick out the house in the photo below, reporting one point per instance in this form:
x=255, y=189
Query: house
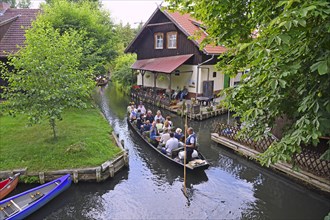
x=13, y=23
x=169, y=58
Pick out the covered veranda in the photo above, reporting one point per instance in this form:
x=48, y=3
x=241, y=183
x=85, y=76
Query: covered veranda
x=167, y=66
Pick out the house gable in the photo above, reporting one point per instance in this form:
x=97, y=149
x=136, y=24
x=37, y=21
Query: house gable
x=144, y=44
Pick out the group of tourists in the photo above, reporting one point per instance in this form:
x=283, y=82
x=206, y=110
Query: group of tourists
x=180, y=94
x=160, y=130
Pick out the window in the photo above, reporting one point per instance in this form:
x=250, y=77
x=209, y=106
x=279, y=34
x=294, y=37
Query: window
x=159, y=40
x=214, y=74
x=171, y=40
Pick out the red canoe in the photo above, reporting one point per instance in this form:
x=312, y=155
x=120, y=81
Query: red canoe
x=8, y=185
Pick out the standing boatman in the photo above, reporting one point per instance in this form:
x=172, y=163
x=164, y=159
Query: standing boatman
x=190, y=143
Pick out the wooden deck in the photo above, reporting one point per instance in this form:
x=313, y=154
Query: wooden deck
x=201, y=115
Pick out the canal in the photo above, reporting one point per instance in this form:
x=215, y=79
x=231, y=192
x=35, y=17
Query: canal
x=231, y=188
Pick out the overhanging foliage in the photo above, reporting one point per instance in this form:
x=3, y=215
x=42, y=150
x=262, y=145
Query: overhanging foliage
x=285, y=45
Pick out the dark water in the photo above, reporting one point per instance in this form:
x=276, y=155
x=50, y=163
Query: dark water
x=232, y=188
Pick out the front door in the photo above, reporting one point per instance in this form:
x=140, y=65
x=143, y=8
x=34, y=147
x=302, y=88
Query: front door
x=208, y=87
x=226, y=81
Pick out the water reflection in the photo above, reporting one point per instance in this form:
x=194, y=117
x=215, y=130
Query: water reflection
x=79, y=200
x=232, y=188
x=161, y=168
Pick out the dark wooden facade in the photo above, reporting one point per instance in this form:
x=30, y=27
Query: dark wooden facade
x=143, y=46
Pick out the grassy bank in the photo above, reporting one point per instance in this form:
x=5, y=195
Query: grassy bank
x=84, y=140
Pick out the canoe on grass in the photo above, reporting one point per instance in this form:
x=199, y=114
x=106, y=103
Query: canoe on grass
x=197, y=163
x=25, y=203
x=8, y=185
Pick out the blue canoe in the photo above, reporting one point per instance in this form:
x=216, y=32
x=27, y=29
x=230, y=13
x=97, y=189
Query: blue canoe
x=25, y=203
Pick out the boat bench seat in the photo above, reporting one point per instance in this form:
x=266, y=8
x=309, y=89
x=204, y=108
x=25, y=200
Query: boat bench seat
x=9, y=209
x=175, y=152
x=36, y=196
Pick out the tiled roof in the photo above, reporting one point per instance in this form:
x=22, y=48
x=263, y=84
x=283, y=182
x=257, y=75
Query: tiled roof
x=161, y=64
x=19, y=20
x=189, y=26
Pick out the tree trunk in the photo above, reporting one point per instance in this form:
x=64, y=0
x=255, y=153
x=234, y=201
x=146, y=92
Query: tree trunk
x=53, y=125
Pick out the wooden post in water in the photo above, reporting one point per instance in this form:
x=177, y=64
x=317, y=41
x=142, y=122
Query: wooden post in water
x=185, y=158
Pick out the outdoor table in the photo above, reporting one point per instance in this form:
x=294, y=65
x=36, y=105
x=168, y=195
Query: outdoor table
x=202, y=100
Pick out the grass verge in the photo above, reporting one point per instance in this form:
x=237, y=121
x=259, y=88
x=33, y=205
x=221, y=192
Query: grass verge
x=84, y=140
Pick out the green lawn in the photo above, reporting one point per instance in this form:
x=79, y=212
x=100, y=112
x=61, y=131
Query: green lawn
x=84, y=140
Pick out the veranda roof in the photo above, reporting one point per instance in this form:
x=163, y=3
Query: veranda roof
x=161, y=64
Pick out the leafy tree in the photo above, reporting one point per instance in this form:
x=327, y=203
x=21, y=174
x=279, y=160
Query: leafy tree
x=122, y=72
x=19, y=4
x=285, y=44
x=125, y=34
x=87, y=16
x=76, y=1
x=120, y=67
x=24, y=4
x=47, y=78
x=139, y=27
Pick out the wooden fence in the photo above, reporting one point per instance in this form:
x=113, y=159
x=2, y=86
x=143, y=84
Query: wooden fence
x=308, y=159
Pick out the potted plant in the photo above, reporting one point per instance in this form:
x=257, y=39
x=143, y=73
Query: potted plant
x=209, y=108
x=161, y=78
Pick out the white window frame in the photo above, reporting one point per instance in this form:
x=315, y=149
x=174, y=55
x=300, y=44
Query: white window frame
x=159, y=41
x=172, y=39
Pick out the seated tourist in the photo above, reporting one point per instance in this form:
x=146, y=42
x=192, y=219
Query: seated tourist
x=159, y=125
x=129, y=108
x=166, y=125
x=153, y=132
x=164, y=137
x=139, y=120
x=168, y=118
x=159, y=116
x=170, y=145
x=150, y=116
x=176, y=92
x=183, y=93
x=146, y=126
x=138, y=113
x=142, y=108
x=178, y=134
x=132, y=116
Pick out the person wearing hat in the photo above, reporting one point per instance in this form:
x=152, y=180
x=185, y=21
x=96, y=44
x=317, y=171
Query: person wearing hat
x=178, y=134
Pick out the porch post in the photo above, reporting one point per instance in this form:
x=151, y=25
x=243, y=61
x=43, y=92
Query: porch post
x=132, y=71
x=142, y=73
x=197, y=81
x=155, y=78
x=170, y=86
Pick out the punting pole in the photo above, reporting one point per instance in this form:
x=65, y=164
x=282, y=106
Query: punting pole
x=185, y=157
